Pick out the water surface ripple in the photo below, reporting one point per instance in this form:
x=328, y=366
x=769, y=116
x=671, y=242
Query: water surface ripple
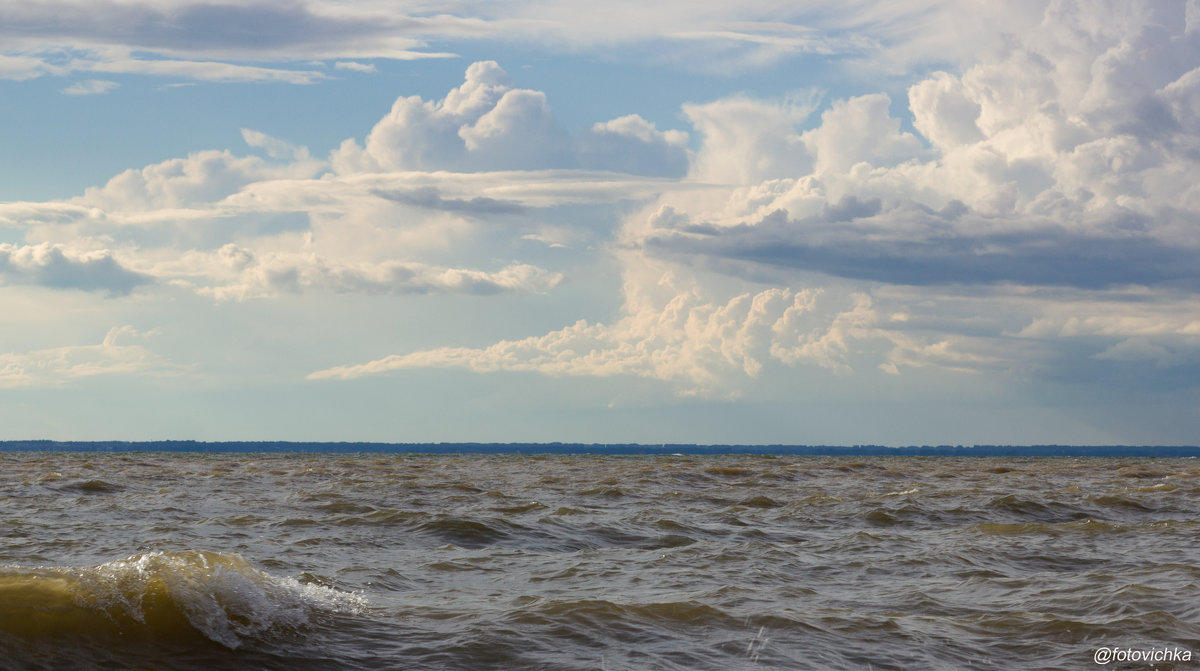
x=190, y=561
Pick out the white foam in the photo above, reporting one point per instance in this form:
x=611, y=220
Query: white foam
x=221, y=594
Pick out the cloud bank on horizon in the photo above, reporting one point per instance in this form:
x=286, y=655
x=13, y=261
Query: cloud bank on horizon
x=1007, y=201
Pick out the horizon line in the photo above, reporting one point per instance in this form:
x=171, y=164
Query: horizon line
x=558, y=447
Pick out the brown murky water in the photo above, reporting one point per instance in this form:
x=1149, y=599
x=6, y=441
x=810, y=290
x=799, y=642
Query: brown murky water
x=160, y=561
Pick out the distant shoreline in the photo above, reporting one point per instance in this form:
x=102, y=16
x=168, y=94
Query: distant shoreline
x=304, y=447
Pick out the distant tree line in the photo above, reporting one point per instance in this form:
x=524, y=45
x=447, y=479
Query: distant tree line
x=276, y=446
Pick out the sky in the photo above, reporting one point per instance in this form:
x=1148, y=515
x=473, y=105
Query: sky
x=889, y=222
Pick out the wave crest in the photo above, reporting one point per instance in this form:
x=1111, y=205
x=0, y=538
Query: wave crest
x=163, y=595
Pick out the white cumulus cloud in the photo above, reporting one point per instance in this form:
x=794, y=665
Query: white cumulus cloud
x=486, y=124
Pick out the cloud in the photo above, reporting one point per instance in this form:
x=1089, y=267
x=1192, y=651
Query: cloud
x=290, y=31
x=481, y=192
x=202, y=70
x=19, y=214
x=1052, y=166
x=632, y=145
x=860, y=130
x=418, y=135
x=1147, y=338
x=1146, y=318
x=944, y=112
x=21, y=67
x=1163, y=353
x=120, y=353
x=912, y=244
x=206, y=41
x=709, y=36
x=682, y=343
x=706, y=348
x=671, y=333
x=519, y=133
x=747, y=140
x=354, y=67
x=236, y=273
x=732, y=38
x=275, y=147
x=487, y=125
x=1057, y=161
x=429, y=197
x=90, y=87
x=201, y=41
x=56, y=267
x=201, y=178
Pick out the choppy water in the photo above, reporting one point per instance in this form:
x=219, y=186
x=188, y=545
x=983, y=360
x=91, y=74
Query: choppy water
x=156, y=561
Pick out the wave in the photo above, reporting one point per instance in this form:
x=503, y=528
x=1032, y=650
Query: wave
x=181, y=597
x=93, y=486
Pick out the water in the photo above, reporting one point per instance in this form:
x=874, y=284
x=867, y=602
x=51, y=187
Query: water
x=160, y=561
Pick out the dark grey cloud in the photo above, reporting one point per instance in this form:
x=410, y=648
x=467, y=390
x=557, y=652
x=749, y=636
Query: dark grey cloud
x=850, y=208
x=192, y=28
x=249, y=25
x=1087, y=362
x=50, y=266
x=430, y=198
x=914, y=245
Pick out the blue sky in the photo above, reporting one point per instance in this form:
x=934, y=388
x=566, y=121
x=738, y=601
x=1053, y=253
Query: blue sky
x=759, y=222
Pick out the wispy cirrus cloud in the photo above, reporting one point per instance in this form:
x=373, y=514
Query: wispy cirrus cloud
x=90, y=87
x=252, y=42
x=352, y=66
x=199, y=70
x=237, y=273
x=259, y=31
x=217, y=42
x=429, y=197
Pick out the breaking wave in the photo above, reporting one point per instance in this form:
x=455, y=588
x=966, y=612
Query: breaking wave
x=184, y=598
